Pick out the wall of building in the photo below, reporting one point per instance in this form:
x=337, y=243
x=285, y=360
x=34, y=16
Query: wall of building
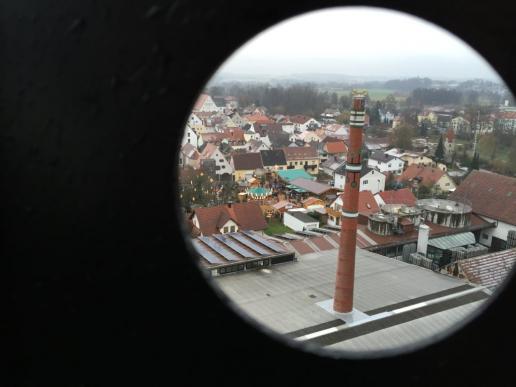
x=297, y=225
x=500, y=232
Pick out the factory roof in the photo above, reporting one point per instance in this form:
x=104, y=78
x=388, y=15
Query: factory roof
x=400, y=196
x=367, y=239
x=450, y=241
x=284, y=298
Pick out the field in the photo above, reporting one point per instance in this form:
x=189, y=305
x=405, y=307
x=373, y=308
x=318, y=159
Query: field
x=276, y=227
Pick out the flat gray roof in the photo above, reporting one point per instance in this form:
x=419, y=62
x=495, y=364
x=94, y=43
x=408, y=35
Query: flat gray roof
x=284, y=297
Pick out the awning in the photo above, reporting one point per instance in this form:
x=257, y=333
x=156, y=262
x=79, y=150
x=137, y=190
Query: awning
x=451, y=241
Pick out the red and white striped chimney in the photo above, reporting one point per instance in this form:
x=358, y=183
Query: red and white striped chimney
x=345, y=281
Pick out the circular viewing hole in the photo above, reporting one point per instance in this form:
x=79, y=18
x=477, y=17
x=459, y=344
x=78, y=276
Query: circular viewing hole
x=347, y=178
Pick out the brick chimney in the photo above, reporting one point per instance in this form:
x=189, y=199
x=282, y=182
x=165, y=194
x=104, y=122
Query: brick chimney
x=345, y=278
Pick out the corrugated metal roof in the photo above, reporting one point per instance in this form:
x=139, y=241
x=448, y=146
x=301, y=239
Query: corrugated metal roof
x=450, y=241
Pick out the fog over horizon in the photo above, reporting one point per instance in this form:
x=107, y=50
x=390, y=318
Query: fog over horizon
x=357, y=42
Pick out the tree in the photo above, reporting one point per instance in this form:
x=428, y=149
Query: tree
x=343, y=118
x=511, y=157
x=390, y=103
x=402, y=136
x=487, y=145
x=475, y=161
x=439, y=152
x=423, y=192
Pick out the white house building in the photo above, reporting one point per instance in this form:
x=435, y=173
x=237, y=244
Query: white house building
x=222, y=166
x=385, y=163
x=190, y=137
x=206, y=104
x=299, y=221
x=492, y=197
x=370, y=179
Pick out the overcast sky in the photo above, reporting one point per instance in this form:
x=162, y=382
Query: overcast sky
x=359, y=41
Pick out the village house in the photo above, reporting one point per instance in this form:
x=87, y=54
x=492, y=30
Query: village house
x=195, y=123
x=311, y=203
x=370, y=179
x=431, y=177
x=335, y=149
x=374, y=144
x=302, y=158
x=307, y=187
x=222, y=166
x=400, y=196
x=227, y=218
x=303, y=123
x=460, y=125
x=205, y=104
x=449, y=143
x=190, y=137
x=417, y=159
x=273, y=160
x=299, y=220
x=189, y=156
x=506, y=121
x=245, y=165
x=426, y=116
x=385, y=163
x=336, y=130
x=366, y=206
x=492, y=197
x=330, y=165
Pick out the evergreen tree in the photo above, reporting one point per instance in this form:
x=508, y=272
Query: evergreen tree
x=439, y=152
x=475, y=161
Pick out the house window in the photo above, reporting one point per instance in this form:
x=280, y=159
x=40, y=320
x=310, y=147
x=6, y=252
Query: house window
x=389, y=165
x=221, y=160
x=232, y=228
x=225, y=230
x=485, y=236
x=291, y=164
x=306, y=162
x=365, y=181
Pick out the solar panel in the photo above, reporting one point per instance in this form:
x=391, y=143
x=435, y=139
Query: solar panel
x=235, y=246
x=264, y=241
x=248, y=243
x=205, y=253
x=219, y=249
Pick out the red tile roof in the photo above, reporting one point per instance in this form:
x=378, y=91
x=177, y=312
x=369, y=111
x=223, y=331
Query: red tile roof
x=334, y=147
x=299, y=119
x=233, y=134
x=322, y=243
x=450, y=136
x=247, y=161
x=300, y=153
x=259, y=118
x=400, y=196
x=490, y=194
x=248, y=216
x=507, y=115
x=366, y=203
x=200, y=101
x=429, y=175
x=489, y=270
